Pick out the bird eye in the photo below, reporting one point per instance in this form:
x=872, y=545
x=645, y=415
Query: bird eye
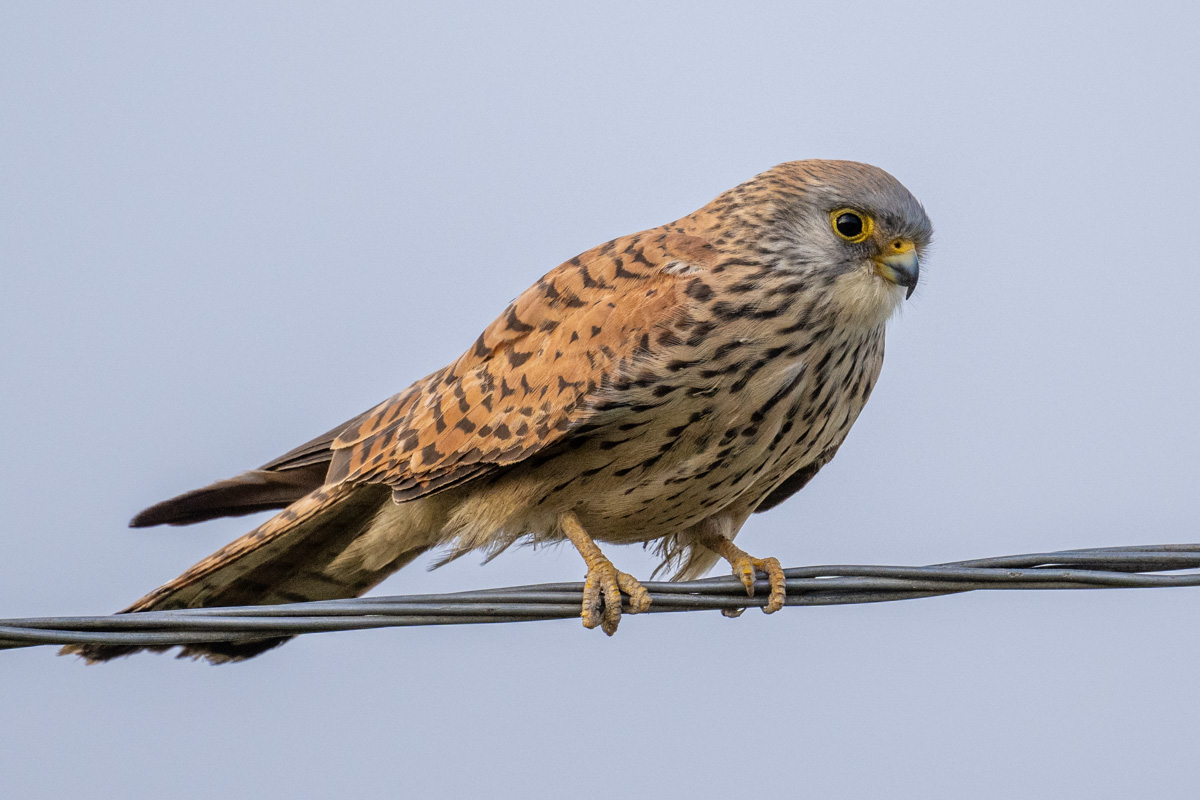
x=850, y=224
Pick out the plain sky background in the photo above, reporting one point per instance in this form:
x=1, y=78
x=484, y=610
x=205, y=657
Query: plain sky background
x=225, y=227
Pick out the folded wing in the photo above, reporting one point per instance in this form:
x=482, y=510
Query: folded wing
x=534, y=375
x=543, y=369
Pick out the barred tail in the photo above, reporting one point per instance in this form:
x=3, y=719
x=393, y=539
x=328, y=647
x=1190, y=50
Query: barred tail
x=286, y=559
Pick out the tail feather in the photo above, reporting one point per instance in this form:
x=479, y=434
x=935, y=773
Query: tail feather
x=283, y=560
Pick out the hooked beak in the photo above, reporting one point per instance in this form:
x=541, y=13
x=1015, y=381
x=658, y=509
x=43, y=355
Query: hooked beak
x=899, y=264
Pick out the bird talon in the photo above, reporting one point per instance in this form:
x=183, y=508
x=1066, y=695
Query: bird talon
x=777, y=580
x=746, y=567
x=611, y=617
x=744, y=570
x=602, y=596
x=604, y=583
x=591, y=602
x=608, y=582
x=639, y=598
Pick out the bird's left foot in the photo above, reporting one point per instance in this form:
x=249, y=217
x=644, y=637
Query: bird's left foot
x=745, y=568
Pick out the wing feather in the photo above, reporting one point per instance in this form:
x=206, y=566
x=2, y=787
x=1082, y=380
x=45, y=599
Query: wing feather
x=533, y=375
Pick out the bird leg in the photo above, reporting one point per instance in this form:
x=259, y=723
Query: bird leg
x=604, y=583
x=744, y=566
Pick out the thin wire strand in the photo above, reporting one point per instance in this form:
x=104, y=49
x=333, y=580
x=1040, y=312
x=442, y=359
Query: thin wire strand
x=1101, y=568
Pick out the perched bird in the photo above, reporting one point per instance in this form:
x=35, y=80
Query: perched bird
x=658, y=388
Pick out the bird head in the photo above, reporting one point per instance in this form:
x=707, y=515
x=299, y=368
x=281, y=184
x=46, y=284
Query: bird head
x=851, y=229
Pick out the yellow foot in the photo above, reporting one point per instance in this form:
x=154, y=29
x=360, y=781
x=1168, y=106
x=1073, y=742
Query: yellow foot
x=604, y=583
x=602, y=595
x=744, y=569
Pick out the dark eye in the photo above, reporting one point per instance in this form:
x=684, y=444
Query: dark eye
x=849, y=225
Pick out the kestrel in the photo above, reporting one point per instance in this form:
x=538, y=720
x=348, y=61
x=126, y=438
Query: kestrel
x=658, y=388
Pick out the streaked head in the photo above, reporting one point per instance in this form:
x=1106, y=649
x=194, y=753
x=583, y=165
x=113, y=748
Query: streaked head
x=853, y=227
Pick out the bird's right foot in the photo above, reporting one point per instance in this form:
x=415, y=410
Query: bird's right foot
x=604, y=583
x=602, y=596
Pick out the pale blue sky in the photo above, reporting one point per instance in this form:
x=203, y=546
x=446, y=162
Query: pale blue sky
x=226, y=227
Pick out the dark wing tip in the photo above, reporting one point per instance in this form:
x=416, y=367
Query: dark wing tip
x=149, y=517
x=248, y=493
x=193, y=507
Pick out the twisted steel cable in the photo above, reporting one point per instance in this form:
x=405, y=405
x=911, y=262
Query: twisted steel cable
x=1100, y=568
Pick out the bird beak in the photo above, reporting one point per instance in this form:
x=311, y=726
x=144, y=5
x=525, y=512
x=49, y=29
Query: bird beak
x=899, y=264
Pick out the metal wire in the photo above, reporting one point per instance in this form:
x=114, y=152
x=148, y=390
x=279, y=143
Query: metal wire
x=1101, y=568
